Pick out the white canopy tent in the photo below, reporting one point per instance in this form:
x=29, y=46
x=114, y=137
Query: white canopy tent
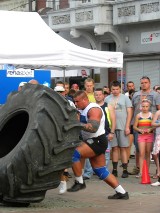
x=60, y=74
x=26, y=40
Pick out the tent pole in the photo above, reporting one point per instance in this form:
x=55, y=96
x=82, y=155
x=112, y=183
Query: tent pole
x=121, y=79
x=30, y=5
x=64, y=72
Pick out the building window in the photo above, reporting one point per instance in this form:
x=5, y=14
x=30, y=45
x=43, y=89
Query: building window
x=86, y=1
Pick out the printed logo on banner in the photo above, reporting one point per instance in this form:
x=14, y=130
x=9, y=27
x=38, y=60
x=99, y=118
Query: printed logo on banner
x=150, y=37
x=112, y=60
x=20, y=73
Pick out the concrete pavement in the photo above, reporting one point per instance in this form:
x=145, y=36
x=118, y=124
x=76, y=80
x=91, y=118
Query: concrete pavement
x=143, y=198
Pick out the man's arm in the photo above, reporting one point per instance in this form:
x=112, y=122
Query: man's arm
x=158, y=107
x=135, y=125
x=128, y=120
x=94, y=117
x=157, y=99
x=112, y=115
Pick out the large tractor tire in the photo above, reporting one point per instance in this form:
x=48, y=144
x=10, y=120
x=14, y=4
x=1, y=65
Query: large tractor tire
x=38, y=134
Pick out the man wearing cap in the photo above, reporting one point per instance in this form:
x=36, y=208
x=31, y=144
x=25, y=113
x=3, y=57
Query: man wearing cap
x=60, y=83
x=21, y=85
x=61, y=90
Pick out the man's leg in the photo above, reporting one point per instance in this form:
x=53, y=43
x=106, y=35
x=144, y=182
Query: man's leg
x=115, y=158
x=136, y=168
x=120, y=192
x=108, y=154
x=88, y=171
x=137, y=150
x=124, y=159
x=131, y=139
x=158, y=182
x=82, y=151
x=107, y=157
x=115, y=154
x=98, y=164
x=63, y=183
x=123, y=142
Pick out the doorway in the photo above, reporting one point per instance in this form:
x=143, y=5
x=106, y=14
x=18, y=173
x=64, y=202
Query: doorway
x=112, y=75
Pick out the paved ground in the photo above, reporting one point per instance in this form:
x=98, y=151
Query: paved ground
x=143, y=198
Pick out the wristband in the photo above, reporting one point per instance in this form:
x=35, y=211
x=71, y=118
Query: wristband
x=112, y=133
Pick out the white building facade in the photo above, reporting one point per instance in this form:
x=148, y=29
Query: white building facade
x=15, y=5
x=139, y=26
x=89, y=24
x=122, y=25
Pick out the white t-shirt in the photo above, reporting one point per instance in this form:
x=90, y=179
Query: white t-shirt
x=84, y=119
x=127, y=94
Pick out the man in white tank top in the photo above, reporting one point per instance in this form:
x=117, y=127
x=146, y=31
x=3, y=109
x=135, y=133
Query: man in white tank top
x=93, y=147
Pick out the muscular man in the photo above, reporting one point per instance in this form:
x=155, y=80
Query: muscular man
x=93, y=146
x=110, y=124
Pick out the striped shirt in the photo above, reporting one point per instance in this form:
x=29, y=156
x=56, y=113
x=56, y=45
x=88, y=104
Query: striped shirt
x=145, y=123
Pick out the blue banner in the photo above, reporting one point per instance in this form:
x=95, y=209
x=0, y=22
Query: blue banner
x=10, y=80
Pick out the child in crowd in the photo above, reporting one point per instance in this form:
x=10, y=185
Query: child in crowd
x=144, y=128
x=156, y=147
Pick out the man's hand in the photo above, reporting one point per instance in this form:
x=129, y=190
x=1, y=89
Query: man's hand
x=91, y=126
x=94, y=118
x=127, y=131
x=110, y=136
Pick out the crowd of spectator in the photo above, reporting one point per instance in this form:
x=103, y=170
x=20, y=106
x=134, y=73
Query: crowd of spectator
x=130, y=117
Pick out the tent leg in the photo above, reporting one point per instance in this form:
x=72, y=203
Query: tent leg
x=121, y=79
x=64, y=72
